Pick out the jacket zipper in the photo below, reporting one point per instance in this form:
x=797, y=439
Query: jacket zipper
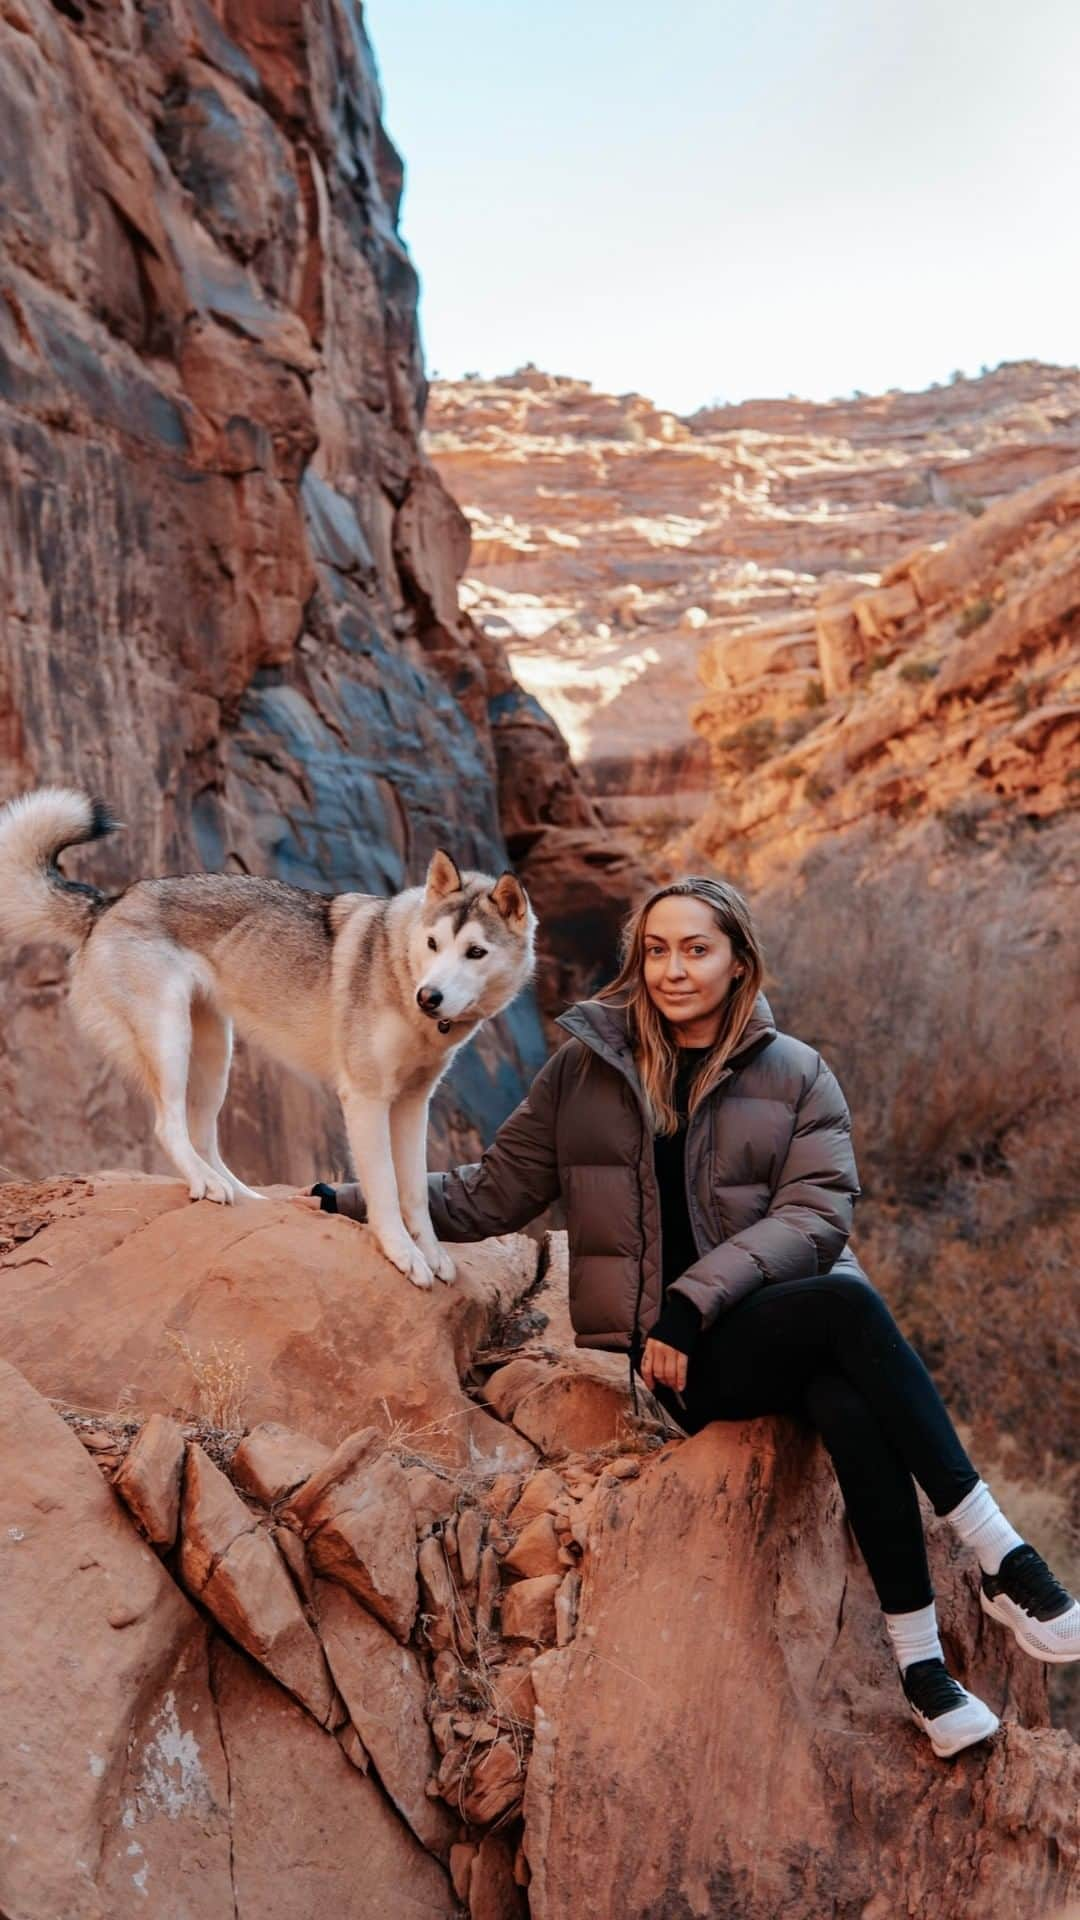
x=637, y=1344
x=690, y=1206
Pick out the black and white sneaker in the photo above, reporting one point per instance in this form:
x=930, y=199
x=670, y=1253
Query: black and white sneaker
x=1024, y=1595
x=951, y=1716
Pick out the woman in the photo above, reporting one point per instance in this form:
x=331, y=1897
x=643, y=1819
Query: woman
x=706, y=1166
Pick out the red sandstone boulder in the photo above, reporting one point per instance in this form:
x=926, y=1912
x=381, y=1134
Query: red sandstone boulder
x=272, y=1461
x=150, y=1479
x=213, y=1517
x=470, y=1543
x=494, y=1784
x=536, y=1549
x=114, y=1796
x=572, y=1412
x=330, y=1333
x=357, y=1522
x=730, y=1696
x=230, y=1564
x=540, y=1494
x=311, y=1834
x=493, y=1891
x=444, y=1623
x=385, y=1689
x=528, y=1609
x=507, y=1385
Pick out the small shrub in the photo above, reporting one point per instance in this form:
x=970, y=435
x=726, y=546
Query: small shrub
x=797, y=725
x=1023, y=697
x=961, y=824
x=815, y=694
x=915, y=670
x=751, y=743
x=817, y=788
x=975, y=614
x=792, y=771
x=875, y=663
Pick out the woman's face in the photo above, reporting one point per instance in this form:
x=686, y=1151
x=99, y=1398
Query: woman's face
x=689, y=963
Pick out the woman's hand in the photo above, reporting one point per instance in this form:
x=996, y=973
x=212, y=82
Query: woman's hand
x=664, y=1366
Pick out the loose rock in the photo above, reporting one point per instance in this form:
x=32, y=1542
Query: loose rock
x=151, y=1477
x=528, y=1609
x=272, y=1461
x=385, y=1691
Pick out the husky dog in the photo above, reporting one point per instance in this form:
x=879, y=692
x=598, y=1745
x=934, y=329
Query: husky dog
x=372, y=995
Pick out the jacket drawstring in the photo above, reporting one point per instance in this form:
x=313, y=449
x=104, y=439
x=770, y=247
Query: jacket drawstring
x=635, y=1355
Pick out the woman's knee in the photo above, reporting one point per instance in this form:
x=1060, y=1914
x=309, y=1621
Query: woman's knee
x=858, y=1299
x=839, y=1410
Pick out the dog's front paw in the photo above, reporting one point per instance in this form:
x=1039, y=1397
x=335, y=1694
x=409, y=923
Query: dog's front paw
x=444, y=1267
x=439, y=1261
x=408, y=1259
x=237, y=1188
x=207, y=1186
x=419, y=1272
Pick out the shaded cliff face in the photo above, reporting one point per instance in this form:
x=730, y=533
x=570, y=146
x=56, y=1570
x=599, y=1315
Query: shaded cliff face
x=230, y=586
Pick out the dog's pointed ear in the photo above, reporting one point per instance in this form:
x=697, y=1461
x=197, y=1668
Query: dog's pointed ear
x=510, y=897
x=442, y=876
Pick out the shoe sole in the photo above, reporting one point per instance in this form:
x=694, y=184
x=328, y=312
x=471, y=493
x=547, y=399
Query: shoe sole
x=958, y=1746
x=990, y=1607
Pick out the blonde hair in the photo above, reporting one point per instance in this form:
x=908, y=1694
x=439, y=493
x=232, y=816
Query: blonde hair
x=651, y=1036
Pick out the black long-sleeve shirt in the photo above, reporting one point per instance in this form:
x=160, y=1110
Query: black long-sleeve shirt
x=678, y=1322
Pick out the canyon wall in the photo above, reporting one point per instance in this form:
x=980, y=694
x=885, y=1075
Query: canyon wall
x=229, y=598
x=624, y=554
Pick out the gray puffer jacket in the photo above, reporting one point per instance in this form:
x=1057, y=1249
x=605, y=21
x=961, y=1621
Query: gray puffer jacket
x=770, y=1175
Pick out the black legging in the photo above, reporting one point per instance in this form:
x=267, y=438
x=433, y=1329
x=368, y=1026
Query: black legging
x=829, y=1349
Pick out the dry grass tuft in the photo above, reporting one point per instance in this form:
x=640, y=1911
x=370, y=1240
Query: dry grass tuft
x=220, y=1376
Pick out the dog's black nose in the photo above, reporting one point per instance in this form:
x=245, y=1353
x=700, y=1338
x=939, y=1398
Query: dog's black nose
x=429, y=998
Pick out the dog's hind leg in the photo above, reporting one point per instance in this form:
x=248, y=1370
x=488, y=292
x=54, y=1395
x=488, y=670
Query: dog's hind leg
x=367, y=1123
x=408, y=1134
x=208, y=1080
x=168, y=1047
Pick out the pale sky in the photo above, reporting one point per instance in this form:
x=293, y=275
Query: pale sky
x=708, y=199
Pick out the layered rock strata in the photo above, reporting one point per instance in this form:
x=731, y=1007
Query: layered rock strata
x=613, y=542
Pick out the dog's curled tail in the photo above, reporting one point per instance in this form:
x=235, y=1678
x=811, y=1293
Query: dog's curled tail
x=36, y=901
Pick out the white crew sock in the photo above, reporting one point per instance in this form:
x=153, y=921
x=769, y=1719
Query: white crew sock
x=983, y=1527
x=914, y=1635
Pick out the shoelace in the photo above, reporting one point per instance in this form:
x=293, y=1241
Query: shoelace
x=931, y=1689
x=1026, y=1578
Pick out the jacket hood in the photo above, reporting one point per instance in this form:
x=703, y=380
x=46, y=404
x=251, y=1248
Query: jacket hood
x=603, y=1026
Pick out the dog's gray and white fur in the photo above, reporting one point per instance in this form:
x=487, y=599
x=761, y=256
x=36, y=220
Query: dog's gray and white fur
x=373, y=995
